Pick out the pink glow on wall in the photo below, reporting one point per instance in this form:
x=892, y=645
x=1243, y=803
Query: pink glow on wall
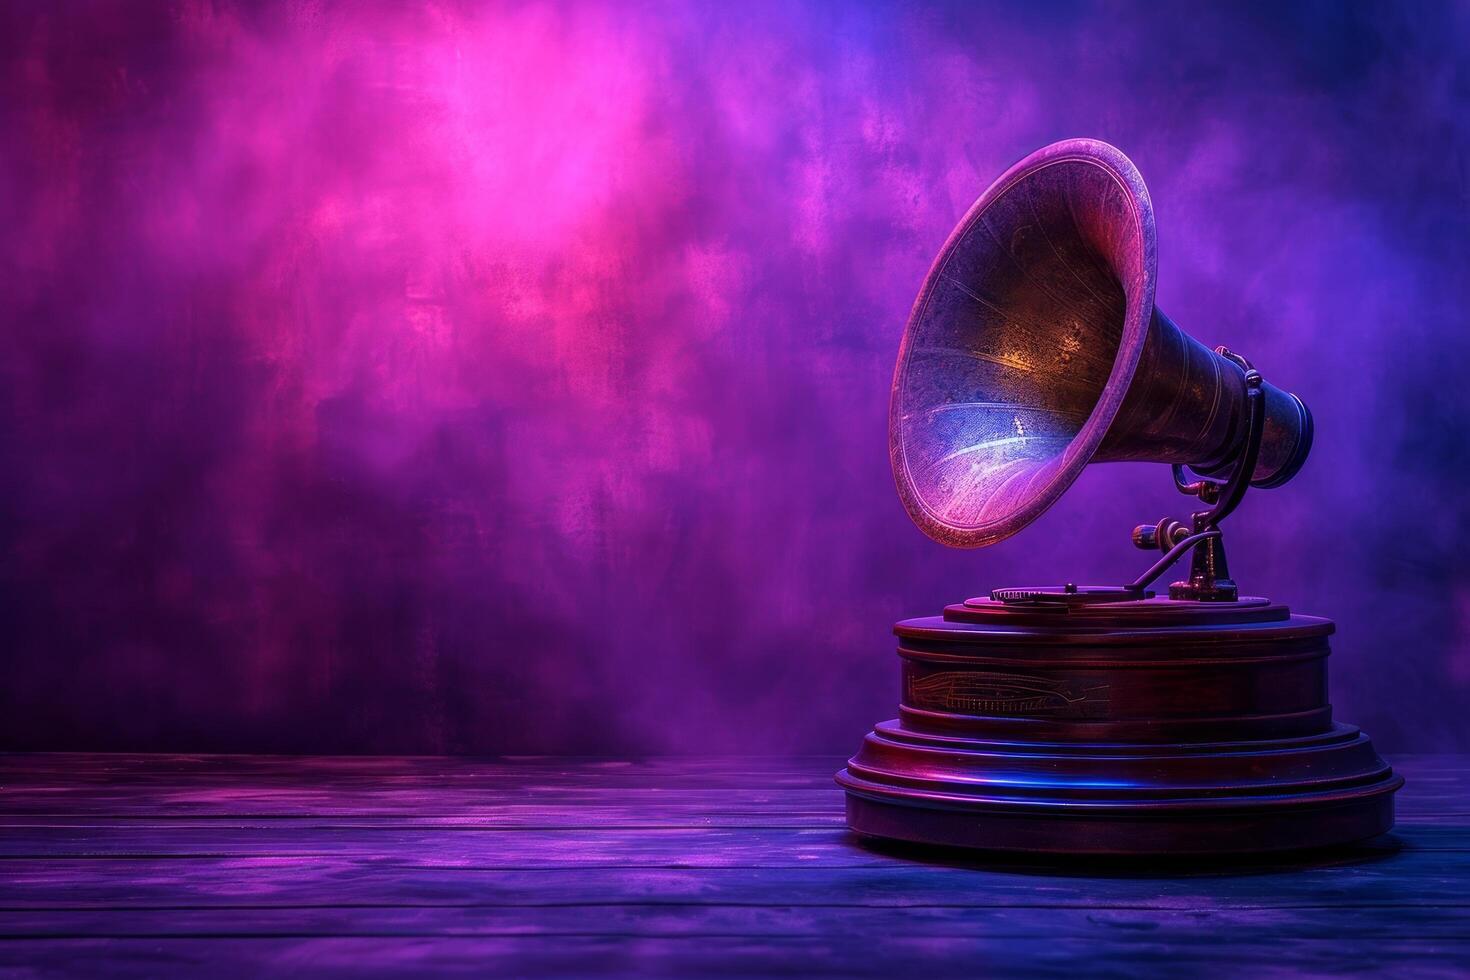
x=513, y=377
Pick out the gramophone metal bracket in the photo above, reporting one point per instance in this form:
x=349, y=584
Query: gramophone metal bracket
x=1209, y=574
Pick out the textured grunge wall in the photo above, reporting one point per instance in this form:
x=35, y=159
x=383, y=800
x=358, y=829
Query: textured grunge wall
x=512, y=377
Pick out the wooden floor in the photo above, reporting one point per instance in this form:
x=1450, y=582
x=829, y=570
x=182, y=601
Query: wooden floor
x=234, y=865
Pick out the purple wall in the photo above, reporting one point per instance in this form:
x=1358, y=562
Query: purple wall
x=514, y=379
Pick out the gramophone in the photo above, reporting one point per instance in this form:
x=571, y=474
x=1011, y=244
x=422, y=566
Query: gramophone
x=1083, y=719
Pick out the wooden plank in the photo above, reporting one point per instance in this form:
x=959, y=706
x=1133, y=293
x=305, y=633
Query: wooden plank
x=532, y=817
x=436, y=848
x=467, y=807
x=398, y=764
x=61, y=772
x=485, y=846
x=884, y=955
x=654, y=793
x=62, y=769
x=1408, y=879
x=502, y=817
x=673, y=921
x=717, y=771
x=524, y=849
x=551, y=818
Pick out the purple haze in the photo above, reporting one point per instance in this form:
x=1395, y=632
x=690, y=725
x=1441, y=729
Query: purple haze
x=513, y=377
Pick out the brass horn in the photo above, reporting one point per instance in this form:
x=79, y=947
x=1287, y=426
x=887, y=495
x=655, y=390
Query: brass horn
x=1035, y=348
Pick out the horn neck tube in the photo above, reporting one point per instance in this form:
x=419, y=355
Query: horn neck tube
x=1187, y=405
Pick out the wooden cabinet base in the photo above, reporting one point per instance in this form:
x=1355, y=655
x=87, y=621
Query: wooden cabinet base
x=1154, y=727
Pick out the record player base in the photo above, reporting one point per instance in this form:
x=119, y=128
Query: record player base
x=1153, y=727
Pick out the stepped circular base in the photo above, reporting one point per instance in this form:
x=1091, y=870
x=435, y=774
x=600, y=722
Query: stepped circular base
x=1171, y=836
x=1148, y=728
x=1120, y=799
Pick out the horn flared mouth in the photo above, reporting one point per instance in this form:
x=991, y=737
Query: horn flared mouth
x=1022, y=343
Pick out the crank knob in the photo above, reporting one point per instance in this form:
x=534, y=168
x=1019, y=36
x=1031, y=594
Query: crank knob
x=1146, y=536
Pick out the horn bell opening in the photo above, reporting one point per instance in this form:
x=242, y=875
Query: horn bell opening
x=1022, y=343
